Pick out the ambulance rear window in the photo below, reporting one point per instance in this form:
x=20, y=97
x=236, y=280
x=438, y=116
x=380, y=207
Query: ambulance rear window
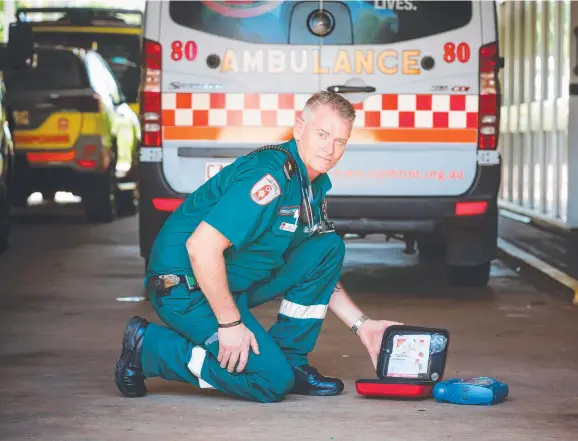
x=355, y=22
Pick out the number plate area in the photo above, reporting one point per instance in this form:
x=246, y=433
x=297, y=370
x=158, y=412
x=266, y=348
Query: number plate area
x=212, y=168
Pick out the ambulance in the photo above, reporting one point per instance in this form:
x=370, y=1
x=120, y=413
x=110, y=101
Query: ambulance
x=222, y=78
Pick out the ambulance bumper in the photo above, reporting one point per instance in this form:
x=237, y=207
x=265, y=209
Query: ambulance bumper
x=375, y=215
x=395, y=215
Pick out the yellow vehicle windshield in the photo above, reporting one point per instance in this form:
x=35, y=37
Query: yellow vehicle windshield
x=121, y=48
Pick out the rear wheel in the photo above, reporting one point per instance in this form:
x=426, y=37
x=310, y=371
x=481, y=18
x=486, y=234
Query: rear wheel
x=477, y=275
x=20, y=198
x=99, y=199
x=48, y=195
x=432, y=246
x=4, y=216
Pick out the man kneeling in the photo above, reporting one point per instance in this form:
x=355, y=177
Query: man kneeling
x=255, y=231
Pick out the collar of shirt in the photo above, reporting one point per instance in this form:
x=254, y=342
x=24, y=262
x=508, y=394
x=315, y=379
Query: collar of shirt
x=320, y=185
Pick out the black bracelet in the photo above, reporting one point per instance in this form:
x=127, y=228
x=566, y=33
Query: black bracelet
x=230, y=325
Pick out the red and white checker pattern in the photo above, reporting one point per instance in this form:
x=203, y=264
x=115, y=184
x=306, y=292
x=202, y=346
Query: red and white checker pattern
x=280, y=110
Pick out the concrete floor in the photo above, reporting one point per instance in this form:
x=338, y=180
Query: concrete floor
x=61, y=325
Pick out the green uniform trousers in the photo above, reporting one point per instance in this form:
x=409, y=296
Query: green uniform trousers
x=187, y=349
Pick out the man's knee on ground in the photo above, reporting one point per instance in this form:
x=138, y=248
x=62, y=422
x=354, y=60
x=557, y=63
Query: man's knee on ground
x=274, y=383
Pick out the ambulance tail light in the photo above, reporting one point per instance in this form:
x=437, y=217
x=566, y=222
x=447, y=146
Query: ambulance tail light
x=151, y=109
x=472, y=208
x=488, y=112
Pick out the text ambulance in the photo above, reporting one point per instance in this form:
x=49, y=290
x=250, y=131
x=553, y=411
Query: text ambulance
x=225, y=77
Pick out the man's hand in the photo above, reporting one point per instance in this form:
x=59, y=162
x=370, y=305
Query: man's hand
x=234, y=346
x=371, y=335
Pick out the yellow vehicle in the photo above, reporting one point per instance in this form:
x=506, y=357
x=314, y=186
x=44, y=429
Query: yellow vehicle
x=74, y=131
x=116, y=34
x=7, y=161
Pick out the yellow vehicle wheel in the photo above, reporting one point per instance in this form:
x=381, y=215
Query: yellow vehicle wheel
x=126, y=205
x=99, y=198
x=48, y=195
x=4, y=216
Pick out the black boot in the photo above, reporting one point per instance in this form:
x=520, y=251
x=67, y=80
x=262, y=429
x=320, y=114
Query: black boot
x=128, y=373
x=308, y=381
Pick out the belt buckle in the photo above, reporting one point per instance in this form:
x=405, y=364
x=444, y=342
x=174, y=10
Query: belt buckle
x=170, y=280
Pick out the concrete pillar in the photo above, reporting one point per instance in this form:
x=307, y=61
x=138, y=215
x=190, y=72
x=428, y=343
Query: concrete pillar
x=9, y=11
x=573, y=121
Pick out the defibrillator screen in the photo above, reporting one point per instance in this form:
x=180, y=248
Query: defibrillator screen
x=409, y=356
x=417, y=354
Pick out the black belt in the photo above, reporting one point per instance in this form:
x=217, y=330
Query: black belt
x=162, y=283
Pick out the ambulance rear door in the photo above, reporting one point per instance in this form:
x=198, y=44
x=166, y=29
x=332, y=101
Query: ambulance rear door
x=411, y=69
x=234, y=76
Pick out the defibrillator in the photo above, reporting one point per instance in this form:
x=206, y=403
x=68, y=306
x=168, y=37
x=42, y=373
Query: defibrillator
x=411, y=362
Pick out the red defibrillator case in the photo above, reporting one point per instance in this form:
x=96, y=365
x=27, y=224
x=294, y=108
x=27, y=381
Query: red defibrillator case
x=411, y=362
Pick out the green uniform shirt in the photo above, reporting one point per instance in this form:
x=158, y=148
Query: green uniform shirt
x=253, y=204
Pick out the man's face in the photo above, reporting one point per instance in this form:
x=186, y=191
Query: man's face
x=321, y=139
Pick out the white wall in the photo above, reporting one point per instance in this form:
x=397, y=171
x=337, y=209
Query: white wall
x=8, y=17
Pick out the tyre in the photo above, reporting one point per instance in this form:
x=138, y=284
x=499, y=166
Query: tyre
x=477, y=275
x=19, y=199
x=99, y=198
x=126, y=203
x=431, y=246
x=4, y=216
x=48, y=195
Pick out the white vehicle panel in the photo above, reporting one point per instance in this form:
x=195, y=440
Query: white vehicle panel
x=254, y=94
x=417, y=101
x=255, y=86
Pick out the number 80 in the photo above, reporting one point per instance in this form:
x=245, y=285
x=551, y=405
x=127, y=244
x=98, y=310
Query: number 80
x=461, y=52
x=188, y=50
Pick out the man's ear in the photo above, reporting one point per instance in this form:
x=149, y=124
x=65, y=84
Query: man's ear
x=298, y=128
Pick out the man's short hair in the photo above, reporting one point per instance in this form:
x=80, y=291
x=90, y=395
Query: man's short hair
x=333, y=100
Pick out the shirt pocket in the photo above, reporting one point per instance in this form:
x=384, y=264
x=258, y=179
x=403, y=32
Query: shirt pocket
x=285, y=226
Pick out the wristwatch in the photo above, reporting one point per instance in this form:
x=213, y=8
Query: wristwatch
x=360, y=321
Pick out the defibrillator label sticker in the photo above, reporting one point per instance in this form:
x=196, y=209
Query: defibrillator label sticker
x=265, y=190
x=285, y=226
x=289, y=211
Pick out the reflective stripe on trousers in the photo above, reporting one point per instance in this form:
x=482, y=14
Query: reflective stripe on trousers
x=181, y=352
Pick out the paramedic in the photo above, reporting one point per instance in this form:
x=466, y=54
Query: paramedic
x=256, y=230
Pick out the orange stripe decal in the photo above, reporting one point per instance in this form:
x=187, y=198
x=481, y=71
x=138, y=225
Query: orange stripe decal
x=272, y=134
x=235, y=134
x=38, y=157
x=40, y=139
x=424, y=135
x=238, y=117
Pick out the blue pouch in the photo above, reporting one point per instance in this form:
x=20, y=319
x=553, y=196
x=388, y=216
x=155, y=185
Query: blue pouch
x=485, y=391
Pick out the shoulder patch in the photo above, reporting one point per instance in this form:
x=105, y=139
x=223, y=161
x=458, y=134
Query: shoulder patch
x=265, y=190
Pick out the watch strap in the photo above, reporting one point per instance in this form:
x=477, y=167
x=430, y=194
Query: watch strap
x=360, y=321
x=230, y=325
